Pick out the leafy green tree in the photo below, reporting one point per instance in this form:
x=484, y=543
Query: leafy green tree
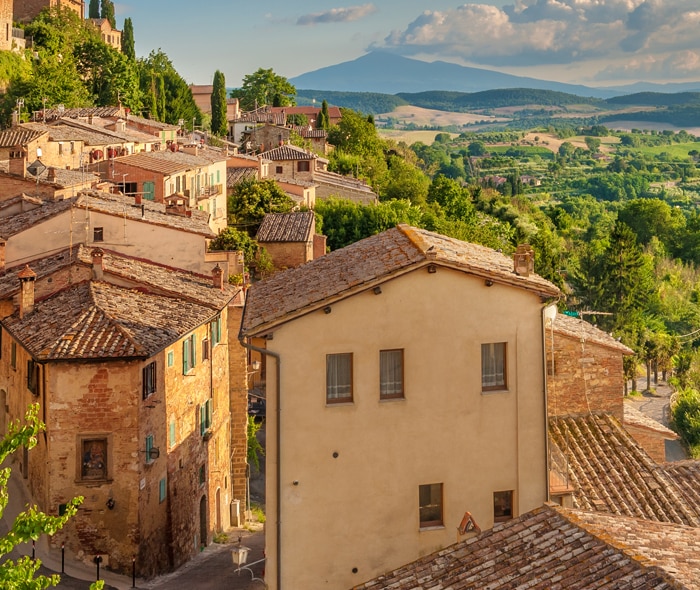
x=686, y=418
x=254, y=255
x=108, y=74
x=477, y=148
x=32, y=523
x=251, y=200
x=264, y=87
x=650, y=218
x=219, y=122
x=108, y=12
x=405, y=181
x=128, y=41
x=173, y=95
x=94, y=9
x=593, y=144
x=454, y=199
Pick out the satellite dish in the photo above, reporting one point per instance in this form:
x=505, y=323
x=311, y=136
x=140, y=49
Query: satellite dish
x=36, y=168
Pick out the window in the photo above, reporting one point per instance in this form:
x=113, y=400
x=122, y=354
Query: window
x=189, y=353
x=171, y=358
x=172, y=433
x=60, y=148
x=278, y=169
x=339, y=377
x=493, y=366
x=390, y=374
x=94, y=458
x=98, y=234
x=202, y=475
x=149, y=449
x=502, y=506
x=215, y=331
x=303, y=166
x=430, y=504
x=33, y=377
x=149, y=379
x=205, y=349
x=205, y=417
x=13, y=355
x=162, y=490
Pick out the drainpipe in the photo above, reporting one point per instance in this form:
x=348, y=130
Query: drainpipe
x=545, y=391
x=278, y=473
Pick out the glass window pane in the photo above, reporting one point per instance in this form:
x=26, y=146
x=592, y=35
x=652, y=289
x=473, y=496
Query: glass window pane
x=391, y=373
x=339, y=377
x=493, y=365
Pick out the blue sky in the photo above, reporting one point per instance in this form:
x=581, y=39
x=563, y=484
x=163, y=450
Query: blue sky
x=593, y=42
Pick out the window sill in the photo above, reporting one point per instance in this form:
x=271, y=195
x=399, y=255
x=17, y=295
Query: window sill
x=392, y=399
x=436, y=527
x=340, y=403
x=490, y=391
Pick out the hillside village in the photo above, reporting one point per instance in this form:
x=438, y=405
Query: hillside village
x=432, y=419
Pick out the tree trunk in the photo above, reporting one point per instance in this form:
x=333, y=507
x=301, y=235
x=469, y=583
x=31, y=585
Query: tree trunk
x=648, y=363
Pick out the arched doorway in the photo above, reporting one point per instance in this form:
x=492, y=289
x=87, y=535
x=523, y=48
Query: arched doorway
x=203, y=522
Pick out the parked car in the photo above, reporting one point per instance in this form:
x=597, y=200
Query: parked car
x=256, y=406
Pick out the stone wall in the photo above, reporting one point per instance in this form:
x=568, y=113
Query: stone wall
x=652, y=442
x=586, y=377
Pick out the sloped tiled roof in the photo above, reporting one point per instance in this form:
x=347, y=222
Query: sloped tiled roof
x=611, y=473
x=156, y=278
x=237, y=175
x=119, y=205
x=686, y=475
x=634, y=417
x=361, y=265
x=581, y=329
x=18, y=135
x=167, y=162
x=79, y=112
x=288, y=152
x=333, y=179
x=96, y=320
x=286, y=227
x=553, y=548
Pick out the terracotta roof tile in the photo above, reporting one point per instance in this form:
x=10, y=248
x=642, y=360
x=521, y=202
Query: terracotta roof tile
x=167, y=162
x=20, y=222
x=686, y=475
x=288, y=152
x=18, y=136
x=286, y=227
x=235, y=176
x=577, y=328
x=611, y=473
x=296, y=291
x=634, y=417
x=552, y=548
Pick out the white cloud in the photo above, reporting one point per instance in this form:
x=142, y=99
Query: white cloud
x=337, y=15
x=677, y=66
x=542, y=32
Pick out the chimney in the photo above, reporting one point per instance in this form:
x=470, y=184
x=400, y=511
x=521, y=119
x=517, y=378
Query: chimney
x=524, y=260
x=97, y=268
x=217, y=275
x=89, y=119
x=26, y=291
x=18, y=163
x=52, y=174
x=2, y=257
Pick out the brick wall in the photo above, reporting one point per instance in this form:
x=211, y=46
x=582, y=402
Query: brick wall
x=26, y=10
x=5, y=25
x=652, y=442
x=288, y=254
x=239, y=406
x=587, y=377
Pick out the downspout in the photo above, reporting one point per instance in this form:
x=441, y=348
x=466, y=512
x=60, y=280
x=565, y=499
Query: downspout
x=546, y=391
x=278, y=471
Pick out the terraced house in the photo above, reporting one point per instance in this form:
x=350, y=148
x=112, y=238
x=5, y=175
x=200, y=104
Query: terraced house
x=405, y=402
x=129, y=362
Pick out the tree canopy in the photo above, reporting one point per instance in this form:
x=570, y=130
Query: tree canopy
x=264, y=87
x=32, y=523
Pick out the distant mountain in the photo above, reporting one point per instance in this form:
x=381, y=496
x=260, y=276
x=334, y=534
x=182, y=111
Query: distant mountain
x=671, y=87
x=387, y=73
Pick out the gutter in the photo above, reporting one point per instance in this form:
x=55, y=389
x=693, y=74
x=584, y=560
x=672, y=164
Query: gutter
x=546, y=389
x=278, y=471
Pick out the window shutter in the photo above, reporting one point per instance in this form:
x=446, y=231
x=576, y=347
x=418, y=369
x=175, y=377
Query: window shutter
x=186, y=356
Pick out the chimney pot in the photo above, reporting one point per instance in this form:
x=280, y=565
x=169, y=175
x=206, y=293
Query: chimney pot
x=97, y=267
x=26, y=294
x=217, y=275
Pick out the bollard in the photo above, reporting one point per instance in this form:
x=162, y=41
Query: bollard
x=133, y=572
x=98, y=561
x=63, y=557
x=33, y=548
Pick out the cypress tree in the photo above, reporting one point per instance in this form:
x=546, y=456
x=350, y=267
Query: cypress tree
x=108, y=12
x=128, y=40
x=94, y=9
x=323, y=121
x=219, y=123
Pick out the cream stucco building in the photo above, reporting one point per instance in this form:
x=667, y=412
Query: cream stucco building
x=405, y=393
